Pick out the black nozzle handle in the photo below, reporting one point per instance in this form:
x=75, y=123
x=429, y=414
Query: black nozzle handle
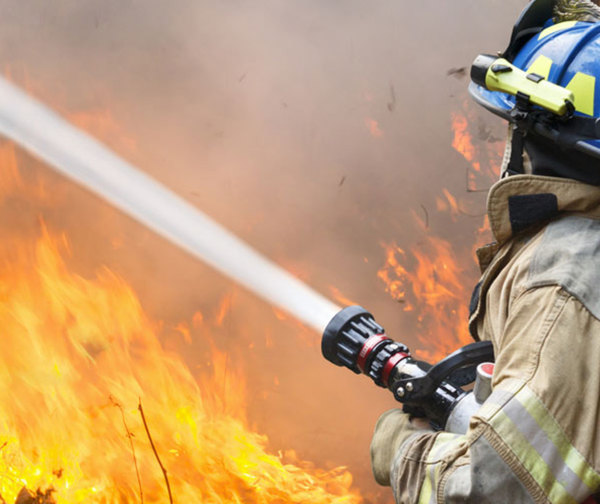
x=468, y=356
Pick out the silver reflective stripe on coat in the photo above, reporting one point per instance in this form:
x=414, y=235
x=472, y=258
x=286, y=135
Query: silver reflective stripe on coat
x=538, y=441
x=445, y=442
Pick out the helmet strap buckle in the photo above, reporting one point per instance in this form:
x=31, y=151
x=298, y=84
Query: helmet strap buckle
x=521, y=123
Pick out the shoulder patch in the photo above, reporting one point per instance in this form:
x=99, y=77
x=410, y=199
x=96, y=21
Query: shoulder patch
x=569, y=256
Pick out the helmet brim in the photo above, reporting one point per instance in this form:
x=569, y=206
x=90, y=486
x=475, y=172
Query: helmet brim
x=501, y=104
x=497, y=103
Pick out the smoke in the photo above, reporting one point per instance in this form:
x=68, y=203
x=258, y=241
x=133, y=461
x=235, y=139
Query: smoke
x=311, y=129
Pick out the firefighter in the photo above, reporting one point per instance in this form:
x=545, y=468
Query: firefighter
x=537, y=438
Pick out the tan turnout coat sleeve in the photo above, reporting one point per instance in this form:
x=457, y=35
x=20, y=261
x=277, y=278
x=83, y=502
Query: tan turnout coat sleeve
x=537, y=438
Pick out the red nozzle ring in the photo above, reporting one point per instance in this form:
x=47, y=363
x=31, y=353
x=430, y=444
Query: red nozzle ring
x=367, y=348
x=391, y=364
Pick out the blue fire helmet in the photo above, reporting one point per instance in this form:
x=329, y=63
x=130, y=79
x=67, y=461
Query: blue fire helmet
x=566, y=54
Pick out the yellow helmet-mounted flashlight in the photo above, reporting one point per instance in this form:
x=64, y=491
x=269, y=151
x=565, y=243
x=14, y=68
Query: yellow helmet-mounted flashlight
x=498, y=74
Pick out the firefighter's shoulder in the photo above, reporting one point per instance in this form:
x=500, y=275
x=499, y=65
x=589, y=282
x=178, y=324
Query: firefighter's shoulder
x=568, y=255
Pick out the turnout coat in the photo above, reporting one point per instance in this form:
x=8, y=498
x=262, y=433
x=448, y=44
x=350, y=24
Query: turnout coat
x=537, y=438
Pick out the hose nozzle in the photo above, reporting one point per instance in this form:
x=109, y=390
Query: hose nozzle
x=354, y=340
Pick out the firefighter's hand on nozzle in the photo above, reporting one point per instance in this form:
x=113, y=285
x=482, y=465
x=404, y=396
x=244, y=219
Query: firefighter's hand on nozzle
x=392, y=429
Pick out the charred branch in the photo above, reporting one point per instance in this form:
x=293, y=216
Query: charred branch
x=162, y=467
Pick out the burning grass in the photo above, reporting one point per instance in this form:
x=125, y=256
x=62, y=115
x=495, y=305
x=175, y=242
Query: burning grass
x=79, y=354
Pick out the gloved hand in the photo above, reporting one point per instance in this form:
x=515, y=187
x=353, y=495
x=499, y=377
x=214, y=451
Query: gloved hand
x=391, y=430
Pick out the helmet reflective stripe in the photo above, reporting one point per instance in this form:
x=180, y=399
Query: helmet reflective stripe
x=556, y=28
x=445, y=441
x=538, y=441
x=583, y=87
x=541, y=66
x=573, y=48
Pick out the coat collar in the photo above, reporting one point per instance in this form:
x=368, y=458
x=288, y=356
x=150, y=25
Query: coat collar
x=516, y=202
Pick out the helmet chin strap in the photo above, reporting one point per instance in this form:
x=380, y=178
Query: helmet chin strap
x=515, y=161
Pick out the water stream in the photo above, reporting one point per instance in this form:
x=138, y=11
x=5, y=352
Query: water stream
x=83, y=159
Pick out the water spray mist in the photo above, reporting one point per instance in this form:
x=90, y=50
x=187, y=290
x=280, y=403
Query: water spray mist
x=92, y=165
x=351, y=336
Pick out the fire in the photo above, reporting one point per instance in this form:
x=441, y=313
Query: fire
x=448, y=204
x=81, y=361
x=482, y=150
x=394, y=274
x=485, y=158
x=433, y=288
x=463, y=142
x=10, y=178
x=373, y=127
x=429, y=280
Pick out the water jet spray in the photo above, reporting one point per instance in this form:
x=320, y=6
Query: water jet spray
x=86, y=161
x=351, y=336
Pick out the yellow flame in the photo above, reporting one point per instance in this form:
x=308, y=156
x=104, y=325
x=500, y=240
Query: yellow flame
x=78, y=354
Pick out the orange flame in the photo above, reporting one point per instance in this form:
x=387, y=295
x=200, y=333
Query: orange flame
x=484, y=156
x=73, y=349
x=79, y=353
x=224, y=309
x=436, y=287
x=490, y=150
x=434, y=291
x=450, y=204
x=10, y=178
x=373, y=127
x=463, y=142
x=394, y=274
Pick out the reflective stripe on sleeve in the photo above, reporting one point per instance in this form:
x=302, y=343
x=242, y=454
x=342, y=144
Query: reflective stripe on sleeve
x=540, y=444
x=444, y=442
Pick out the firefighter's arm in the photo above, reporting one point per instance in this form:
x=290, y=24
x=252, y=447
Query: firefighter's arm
x=527, y=443
x=419, y=463
x=393, y=429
